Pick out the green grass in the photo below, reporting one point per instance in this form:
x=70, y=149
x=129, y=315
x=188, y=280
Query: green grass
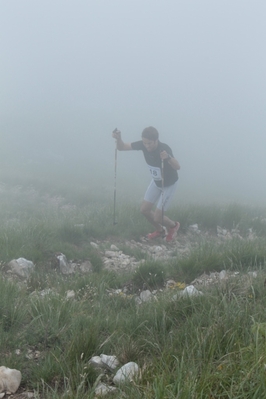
x=185, y=345
x=211, y=346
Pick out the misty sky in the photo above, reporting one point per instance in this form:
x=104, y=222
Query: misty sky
x=72, y=71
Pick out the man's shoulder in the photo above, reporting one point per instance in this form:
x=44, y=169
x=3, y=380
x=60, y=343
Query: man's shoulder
x=137, y=145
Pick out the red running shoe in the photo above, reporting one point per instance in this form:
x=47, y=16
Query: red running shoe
x=172, y=232
x=155, y=234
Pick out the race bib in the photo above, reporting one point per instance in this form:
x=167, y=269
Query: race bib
x=155, y=173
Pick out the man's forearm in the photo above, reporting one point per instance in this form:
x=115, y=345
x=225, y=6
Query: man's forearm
x=120, y=144
x=174, y=163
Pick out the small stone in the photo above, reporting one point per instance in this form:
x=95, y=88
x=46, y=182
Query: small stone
x=222, y=275
x=190, y=290
x=30, y=395
x=170, y=284
x=110, y=361
x=86, y=267
x=64, y=266
x=9, y=379
x=221, y=232
x=103, y=389
x=158, y=249
x=138, y=300
x=46, y=291
x=96, y=361
x=110, y=254
x=125, y=262
x=30, y=354
x=70, y=294
x=128, y=372
x=94, y=245
x=145, y=295
x=253, y=274
x=114, y=247
x=21, y=267
x=194, y=228
x=108, y=261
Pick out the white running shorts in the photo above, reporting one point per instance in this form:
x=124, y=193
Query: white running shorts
x=154, y=194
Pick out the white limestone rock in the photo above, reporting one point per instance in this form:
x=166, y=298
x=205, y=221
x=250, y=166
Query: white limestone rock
x=110, y=254
x=9, y=379
x=190, y=290
x=96, y=361
x=158, y=249
x=125, y=262
x=103, y=390
x=110, y=361
x=70, y=294
x=223, y=233
x=86, y=267
x=46, y=291
x=251, y=234
x=145, y=296
x=253, y=274
x=194, y=228
x=127, y=373
x=21, y=267
x=138, y=300
x=64, y=266
x=170, y=284
x=222, y=275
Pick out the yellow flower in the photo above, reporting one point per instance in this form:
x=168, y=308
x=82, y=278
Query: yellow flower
x=180, y=286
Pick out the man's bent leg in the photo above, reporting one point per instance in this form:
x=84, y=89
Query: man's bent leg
x=172, y=227
x=168, y=223
x=146, y=210
x=166, y=198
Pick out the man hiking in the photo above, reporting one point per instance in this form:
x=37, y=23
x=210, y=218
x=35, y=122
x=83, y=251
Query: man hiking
x=164, y=180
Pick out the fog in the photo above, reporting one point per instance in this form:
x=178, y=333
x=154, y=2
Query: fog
x=71, y=72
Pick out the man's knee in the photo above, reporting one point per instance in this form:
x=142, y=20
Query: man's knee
x=145, y=208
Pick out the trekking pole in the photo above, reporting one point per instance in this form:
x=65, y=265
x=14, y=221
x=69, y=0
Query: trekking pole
x=162, y=171
x=114, y=220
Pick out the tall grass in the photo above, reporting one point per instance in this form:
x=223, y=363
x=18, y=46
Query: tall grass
x=211, y=346
x=191, y=347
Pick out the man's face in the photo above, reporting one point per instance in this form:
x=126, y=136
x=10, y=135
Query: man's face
x=150, y=145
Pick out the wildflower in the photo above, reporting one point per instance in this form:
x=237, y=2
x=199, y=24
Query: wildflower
x=180, y=286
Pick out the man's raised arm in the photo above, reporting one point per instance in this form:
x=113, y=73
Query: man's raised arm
x=121, y=146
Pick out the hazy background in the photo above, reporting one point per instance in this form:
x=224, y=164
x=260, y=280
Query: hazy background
x=72, y=71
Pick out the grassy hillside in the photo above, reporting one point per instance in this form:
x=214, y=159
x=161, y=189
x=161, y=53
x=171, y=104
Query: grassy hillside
x=209, y=346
